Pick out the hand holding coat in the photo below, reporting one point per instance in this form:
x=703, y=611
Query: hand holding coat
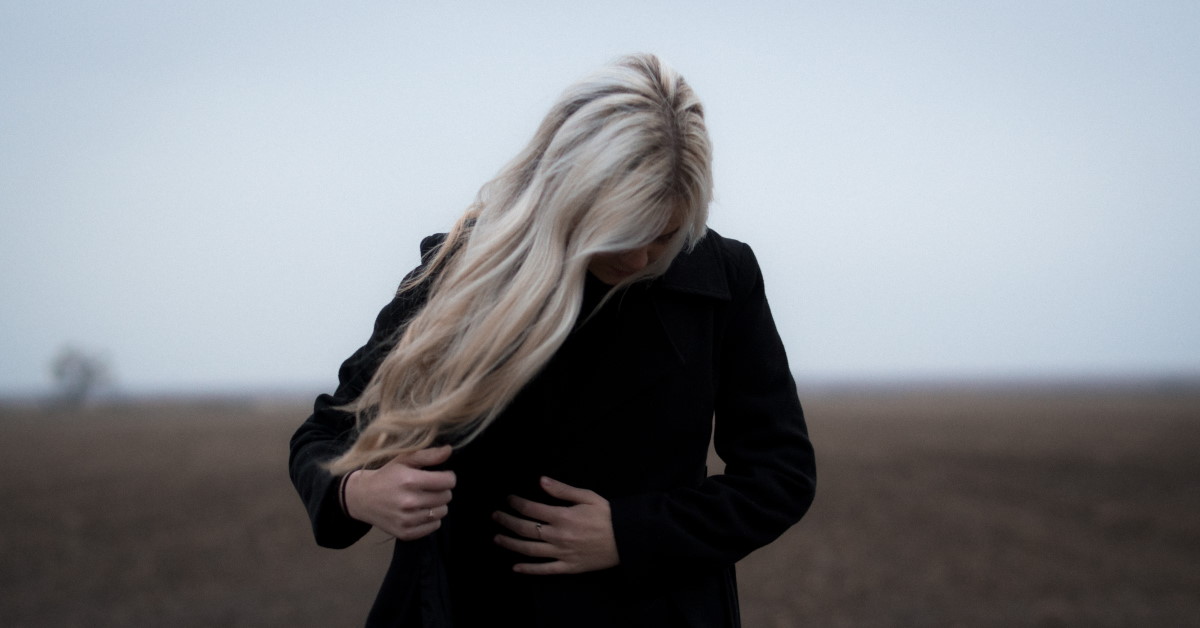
x=578, y=537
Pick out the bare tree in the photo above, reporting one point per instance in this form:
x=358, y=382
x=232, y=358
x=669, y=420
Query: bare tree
x=78, y=374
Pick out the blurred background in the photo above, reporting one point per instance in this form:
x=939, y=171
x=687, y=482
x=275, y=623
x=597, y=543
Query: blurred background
x=219, y=196
x=978, y=222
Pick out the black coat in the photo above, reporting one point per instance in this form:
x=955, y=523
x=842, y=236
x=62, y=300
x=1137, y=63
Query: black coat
x=625, y=408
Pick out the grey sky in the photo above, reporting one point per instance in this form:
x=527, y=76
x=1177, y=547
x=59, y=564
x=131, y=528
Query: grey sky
x=221, y=197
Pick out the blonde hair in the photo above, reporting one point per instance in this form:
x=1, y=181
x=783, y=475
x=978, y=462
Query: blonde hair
x=617, y=156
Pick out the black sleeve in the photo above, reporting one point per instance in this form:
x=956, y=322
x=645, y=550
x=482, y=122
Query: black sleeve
x=328, y=432
x=770, y=470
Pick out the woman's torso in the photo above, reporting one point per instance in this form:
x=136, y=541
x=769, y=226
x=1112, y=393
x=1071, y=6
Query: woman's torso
x=594, y=418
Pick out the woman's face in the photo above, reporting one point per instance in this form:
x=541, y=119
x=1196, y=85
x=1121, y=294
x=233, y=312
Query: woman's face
x=613, y=268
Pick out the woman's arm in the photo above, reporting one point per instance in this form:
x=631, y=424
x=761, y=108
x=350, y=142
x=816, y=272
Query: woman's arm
x=770, y=471
x=328, y=432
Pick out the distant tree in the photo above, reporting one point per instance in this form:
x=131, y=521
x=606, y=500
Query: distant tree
x=78, y=374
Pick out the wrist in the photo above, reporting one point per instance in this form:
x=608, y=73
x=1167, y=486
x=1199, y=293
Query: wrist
x=344, y=492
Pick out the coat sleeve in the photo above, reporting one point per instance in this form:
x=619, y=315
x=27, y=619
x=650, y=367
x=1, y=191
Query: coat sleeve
x=329, y=431
x=770, y=471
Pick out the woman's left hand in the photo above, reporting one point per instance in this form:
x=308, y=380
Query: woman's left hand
x=578, y=537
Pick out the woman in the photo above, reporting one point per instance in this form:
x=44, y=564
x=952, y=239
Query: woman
x=531, y=417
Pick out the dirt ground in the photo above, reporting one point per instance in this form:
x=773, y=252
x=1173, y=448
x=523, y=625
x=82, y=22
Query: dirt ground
x=1076, y=506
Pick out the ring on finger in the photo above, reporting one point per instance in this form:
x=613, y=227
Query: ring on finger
x=538, y=527
x=431, y=513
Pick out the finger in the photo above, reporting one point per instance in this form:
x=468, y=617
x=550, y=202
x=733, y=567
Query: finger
x=414, y=517
x=422, y=503
x=552, y=568
x=435, y=513
x=535, y=510
x=434, y=481
x=413, y=532
x=438, y=498
x=426, y=457
x=569, y=493
x=522, y=527
x=533, y=549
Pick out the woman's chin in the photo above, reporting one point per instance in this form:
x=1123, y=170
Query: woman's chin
x=613, y=277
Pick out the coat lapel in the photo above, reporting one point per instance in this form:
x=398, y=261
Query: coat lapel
x=661, y=322
x=699, y=273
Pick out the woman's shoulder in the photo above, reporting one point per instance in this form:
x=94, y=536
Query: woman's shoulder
x=718, y=266
x=735, y=254
x=430, y=244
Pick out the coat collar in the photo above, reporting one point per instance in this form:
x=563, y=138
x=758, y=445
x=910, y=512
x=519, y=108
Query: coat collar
x=699, y=271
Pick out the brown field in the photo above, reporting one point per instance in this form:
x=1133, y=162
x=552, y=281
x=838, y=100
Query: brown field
x=1076, y=506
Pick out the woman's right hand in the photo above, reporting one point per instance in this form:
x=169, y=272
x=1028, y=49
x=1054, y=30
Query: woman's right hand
x=401, y=498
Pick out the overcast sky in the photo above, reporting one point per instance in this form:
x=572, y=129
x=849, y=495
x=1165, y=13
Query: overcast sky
x=220, y=196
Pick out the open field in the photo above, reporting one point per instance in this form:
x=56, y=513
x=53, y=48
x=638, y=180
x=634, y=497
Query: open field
x=1075, y=506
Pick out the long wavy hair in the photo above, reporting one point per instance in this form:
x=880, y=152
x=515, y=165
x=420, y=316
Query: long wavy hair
x=618, y=155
